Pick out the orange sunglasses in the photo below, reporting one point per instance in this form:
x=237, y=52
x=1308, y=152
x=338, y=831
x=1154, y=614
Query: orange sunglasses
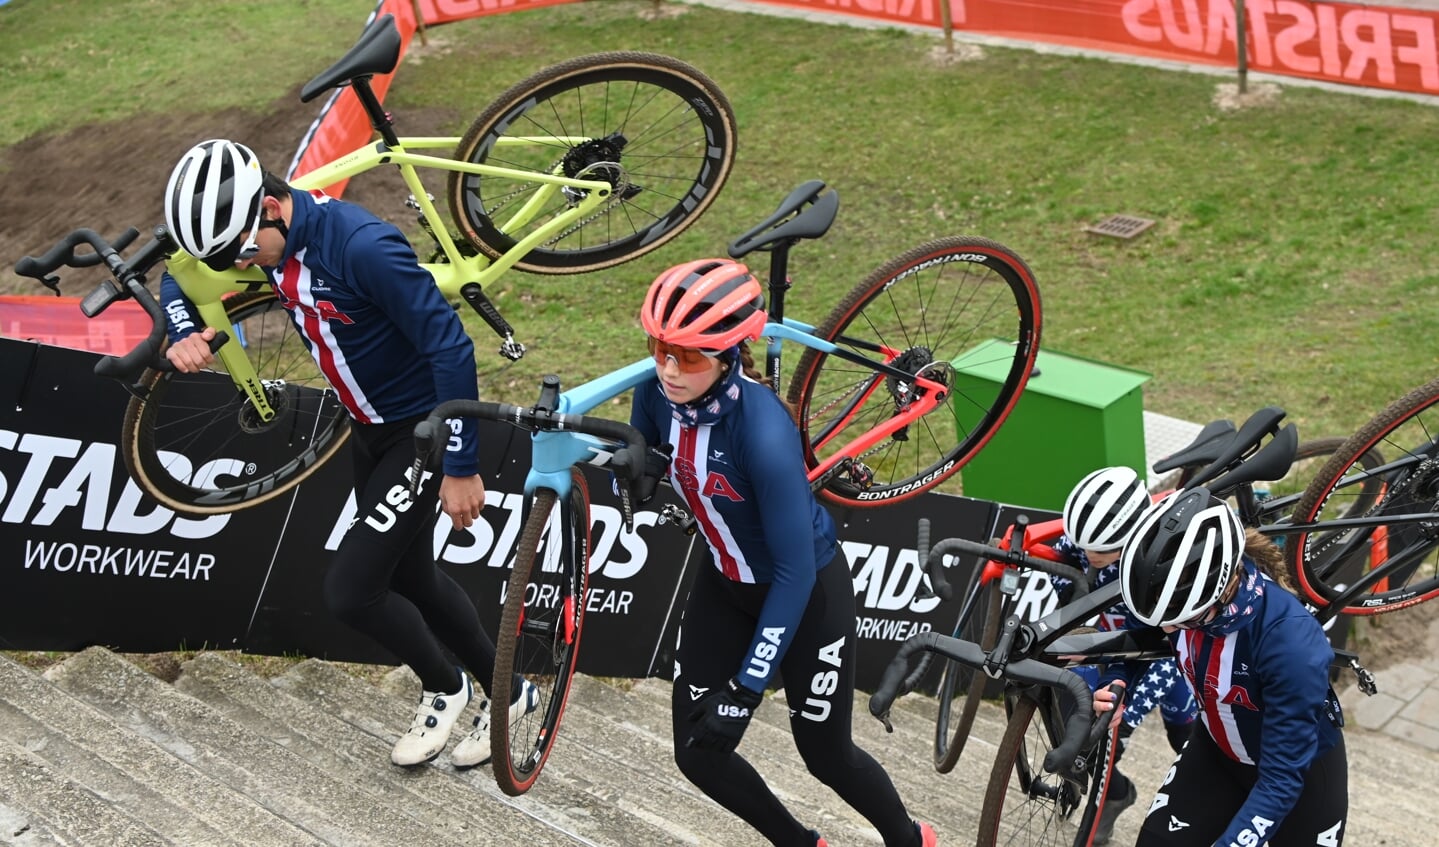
x=689, y=359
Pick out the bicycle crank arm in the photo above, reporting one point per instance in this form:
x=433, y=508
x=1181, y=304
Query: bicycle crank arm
x=475, y=296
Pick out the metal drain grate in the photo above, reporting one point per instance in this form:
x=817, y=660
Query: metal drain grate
x=1120, y=226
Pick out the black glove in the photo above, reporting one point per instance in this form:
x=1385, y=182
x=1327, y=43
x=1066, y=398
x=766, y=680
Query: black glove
x=723, y=717
x=657, y=464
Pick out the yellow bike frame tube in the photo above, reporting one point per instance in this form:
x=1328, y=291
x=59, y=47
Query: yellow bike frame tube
x=205, y=287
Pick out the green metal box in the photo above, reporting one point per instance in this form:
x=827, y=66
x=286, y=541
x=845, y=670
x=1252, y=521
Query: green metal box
x=1074, y=415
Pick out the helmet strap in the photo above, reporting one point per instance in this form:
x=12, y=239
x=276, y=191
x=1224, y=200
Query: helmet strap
x=276, y=223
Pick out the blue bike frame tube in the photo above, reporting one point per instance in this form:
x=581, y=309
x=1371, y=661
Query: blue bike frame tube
x=552, y=454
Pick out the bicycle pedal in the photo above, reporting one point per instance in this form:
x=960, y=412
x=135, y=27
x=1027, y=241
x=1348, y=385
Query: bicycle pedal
x=1365, y=678
x=512, y=349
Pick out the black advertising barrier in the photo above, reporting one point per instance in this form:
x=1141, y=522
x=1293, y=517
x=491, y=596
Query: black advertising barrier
x=880, y=545
x=84, y=558
x=634, y=578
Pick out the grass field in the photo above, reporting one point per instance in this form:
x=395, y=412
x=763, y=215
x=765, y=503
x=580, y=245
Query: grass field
x=1291, y=262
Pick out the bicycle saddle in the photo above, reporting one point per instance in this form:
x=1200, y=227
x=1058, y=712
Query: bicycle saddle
x=1205, y=448
x=1243, y=445
x=810, y=223
x=377, y=52
x=1271, y=462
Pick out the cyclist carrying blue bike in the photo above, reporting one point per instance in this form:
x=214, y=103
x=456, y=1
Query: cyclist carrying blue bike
x=773, y=595
x=1266, y=760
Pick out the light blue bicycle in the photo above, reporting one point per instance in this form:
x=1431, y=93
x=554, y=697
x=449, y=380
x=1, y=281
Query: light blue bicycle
x=907, y=378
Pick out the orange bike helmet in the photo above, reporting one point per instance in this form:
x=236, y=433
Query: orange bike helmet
x=707, y=304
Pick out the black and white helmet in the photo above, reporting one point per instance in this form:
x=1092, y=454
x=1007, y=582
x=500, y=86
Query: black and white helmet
x=213, y=197
x=1178, y=563
x=1104, y=508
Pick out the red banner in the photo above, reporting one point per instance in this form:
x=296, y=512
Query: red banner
x=1348, y=43
x=58, y=321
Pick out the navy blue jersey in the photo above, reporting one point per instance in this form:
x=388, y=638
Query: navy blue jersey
x=744, y=479
x=378, y=328
x=1264, y=697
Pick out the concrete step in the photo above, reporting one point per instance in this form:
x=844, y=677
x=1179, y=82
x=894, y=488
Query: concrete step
x=321, y=738
x=97, y=752
x=59, y=810
x=328, y=805
x=21, y=828
x=555, y=803
x=112, y=762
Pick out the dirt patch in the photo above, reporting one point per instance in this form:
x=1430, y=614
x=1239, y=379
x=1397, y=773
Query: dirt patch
x=87, y=177
x=1228, y=97
x=1404, y=636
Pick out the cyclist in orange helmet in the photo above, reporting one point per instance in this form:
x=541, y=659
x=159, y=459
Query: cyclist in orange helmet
x=774, y=596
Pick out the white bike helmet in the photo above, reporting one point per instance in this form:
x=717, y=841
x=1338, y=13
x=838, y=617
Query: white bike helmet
x=1104, y=508
x=213, y=197
x=1179, y=560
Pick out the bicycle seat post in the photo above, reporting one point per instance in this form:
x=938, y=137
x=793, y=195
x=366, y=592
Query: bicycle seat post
x=778, y=284
x=379, y=118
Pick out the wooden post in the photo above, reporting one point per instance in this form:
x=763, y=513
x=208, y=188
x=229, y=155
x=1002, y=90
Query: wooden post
x=947, y=22
x=1241, y=42
x=420, y=24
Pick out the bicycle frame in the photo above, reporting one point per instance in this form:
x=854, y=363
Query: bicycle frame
x=206, y=288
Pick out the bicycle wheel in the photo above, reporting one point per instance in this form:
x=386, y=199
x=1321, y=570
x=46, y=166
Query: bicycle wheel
x=657, y=130
x=956, y=713
x=540, y=627
x=193, y=442
x=1023, y=805
x=1322, y=562
x=961, y=311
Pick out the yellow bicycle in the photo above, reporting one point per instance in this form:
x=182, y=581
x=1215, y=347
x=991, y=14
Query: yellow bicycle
x=583, y=166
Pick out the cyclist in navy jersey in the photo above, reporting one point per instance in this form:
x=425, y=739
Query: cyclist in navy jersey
x=1265, y=762
x=774, y=596
x=1100, y=514
x=392, y=349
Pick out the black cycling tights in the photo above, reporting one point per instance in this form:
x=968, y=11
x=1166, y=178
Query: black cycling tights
x=818, y=672
x=383, y=580
x=1204, y=789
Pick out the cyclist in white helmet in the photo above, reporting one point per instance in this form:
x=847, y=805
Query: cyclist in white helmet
x=1266, y=760
x=392, y=349
x=1100, y=514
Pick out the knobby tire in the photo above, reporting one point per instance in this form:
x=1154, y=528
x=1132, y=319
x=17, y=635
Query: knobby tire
x=1023, y=805
x=1405, y=437
x=952, y=731
x=539, y=634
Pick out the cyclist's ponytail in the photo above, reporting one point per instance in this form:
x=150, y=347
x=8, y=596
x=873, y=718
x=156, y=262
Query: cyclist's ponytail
x=1267, y=556
x=751, y=370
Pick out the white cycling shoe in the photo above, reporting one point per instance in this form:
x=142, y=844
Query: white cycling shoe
x=428, y=734
x=474, y=748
